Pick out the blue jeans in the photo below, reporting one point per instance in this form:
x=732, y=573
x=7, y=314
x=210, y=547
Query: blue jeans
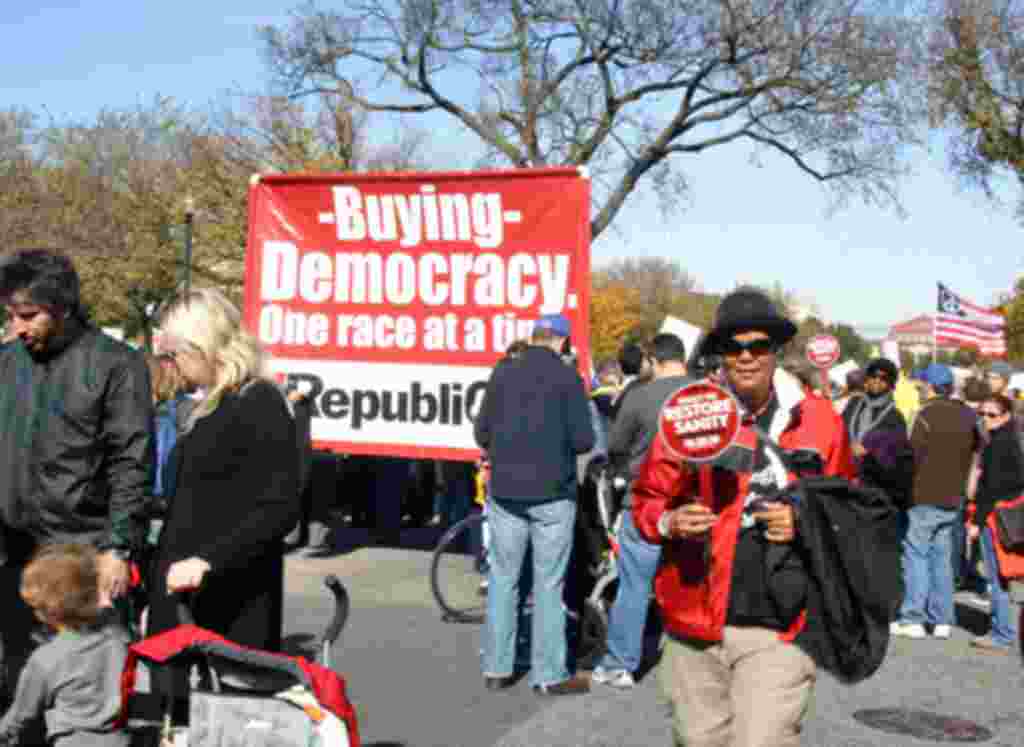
x=927, y=566
x=547, y=528
x=637, y=563
x=1003, y=631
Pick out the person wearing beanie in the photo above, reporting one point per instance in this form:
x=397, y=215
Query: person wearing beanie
x=728, y=665
x=878, y=434
x=945, y=441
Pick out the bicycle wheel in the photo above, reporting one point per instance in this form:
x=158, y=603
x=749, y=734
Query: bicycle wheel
x=455, y=577
x=593, y=629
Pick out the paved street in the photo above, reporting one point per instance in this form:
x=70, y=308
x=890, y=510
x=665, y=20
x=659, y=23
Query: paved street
x=416, y=681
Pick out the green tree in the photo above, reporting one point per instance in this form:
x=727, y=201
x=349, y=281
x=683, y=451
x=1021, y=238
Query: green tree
x=628, y=89
x=976, y=87
x=1014, y=306
x=852, y=345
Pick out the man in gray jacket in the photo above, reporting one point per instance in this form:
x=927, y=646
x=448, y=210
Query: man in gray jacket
x=635, y=426
x=76, y=450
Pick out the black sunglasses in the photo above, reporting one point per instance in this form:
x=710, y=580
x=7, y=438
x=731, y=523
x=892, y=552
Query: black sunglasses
x=756, y=348
x=990, y=414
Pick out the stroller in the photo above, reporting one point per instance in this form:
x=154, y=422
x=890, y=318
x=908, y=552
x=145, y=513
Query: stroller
x=240, y=696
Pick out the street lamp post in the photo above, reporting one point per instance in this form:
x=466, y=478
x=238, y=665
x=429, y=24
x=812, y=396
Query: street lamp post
x=189, y=213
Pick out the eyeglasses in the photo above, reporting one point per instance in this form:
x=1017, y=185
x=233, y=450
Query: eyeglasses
x=989, y=414
x=177, y=353
x=757, y=348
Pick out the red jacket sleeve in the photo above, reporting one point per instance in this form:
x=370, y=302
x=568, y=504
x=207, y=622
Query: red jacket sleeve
x=664, y=483
x=839, y=461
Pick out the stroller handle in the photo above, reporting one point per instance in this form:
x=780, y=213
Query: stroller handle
x=184, y=606
x=342, y=605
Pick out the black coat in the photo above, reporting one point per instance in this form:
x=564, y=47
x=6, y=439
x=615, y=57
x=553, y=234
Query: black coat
x=851, y=545
x=889, y=461
x=236, y=498
x=77, y=453
x=1002, y=471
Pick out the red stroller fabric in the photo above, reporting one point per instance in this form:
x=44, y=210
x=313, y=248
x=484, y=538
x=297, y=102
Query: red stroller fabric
x=327, y=686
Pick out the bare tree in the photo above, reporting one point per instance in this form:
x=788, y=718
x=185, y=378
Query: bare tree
x=977, y=87
x=622, y=86
x=263, y=132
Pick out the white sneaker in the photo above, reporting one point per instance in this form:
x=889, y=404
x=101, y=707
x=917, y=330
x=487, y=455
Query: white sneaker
x=942, y=631
x=907, y=630
x=617, y=678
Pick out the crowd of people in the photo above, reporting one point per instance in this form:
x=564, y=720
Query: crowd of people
x=725, y=547
x=134, y=480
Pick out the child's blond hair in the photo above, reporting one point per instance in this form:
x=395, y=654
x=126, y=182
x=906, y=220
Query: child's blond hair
x=61, y=584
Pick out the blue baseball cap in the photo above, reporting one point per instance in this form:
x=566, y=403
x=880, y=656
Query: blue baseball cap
x=938, y=375
x=555, y=323
x=1001, y=368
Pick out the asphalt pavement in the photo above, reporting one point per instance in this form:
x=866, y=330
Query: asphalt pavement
x=415, y=680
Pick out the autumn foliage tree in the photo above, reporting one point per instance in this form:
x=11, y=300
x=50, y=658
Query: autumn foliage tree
x=615, y=315
x=664, y=288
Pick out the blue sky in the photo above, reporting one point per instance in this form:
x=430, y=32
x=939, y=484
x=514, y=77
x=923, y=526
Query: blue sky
x=761, y=223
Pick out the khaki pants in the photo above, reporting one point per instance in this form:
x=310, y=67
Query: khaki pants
x=750, y=690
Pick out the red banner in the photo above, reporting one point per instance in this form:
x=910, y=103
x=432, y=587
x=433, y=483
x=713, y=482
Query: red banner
x=391, y=296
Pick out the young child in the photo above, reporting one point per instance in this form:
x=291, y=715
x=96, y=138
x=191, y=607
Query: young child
x=73, y=680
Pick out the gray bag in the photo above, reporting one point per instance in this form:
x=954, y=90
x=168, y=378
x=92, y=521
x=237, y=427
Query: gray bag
x=239, y=720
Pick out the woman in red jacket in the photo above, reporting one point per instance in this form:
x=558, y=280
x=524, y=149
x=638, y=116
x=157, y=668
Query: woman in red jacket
x=728, y=666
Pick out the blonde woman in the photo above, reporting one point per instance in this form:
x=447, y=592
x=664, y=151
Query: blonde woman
x=236, y=491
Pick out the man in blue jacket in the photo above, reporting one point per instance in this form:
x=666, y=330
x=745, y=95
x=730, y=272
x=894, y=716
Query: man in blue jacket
x=533, y=422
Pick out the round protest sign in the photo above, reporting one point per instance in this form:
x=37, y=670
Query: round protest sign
x=822, y=350
x=699, y=422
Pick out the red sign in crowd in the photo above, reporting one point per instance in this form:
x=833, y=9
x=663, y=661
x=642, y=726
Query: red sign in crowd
x=823, y=351
x=699, y=422
x=392, y=296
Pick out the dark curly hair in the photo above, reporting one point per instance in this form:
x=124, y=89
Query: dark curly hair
x=44, y=276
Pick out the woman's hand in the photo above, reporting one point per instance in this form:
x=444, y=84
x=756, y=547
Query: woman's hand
x=973, y=530
x=186, y=575
x=691, y=520
x=778, y=520
x=114, y=577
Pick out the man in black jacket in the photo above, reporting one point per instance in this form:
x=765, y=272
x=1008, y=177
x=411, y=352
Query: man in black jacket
x=533, y=422
x=77, y=450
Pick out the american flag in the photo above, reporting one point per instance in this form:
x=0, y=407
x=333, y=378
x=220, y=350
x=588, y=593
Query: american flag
x=960, y=322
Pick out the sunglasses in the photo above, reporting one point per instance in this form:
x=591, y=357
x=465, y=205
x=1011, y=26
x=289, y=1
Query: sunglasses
x=989, y=414
x=757, y=348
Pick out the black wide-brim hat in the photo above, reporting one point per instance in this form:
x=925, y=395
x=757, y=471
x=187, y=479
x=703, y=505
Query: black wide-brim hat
x=747, y=310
